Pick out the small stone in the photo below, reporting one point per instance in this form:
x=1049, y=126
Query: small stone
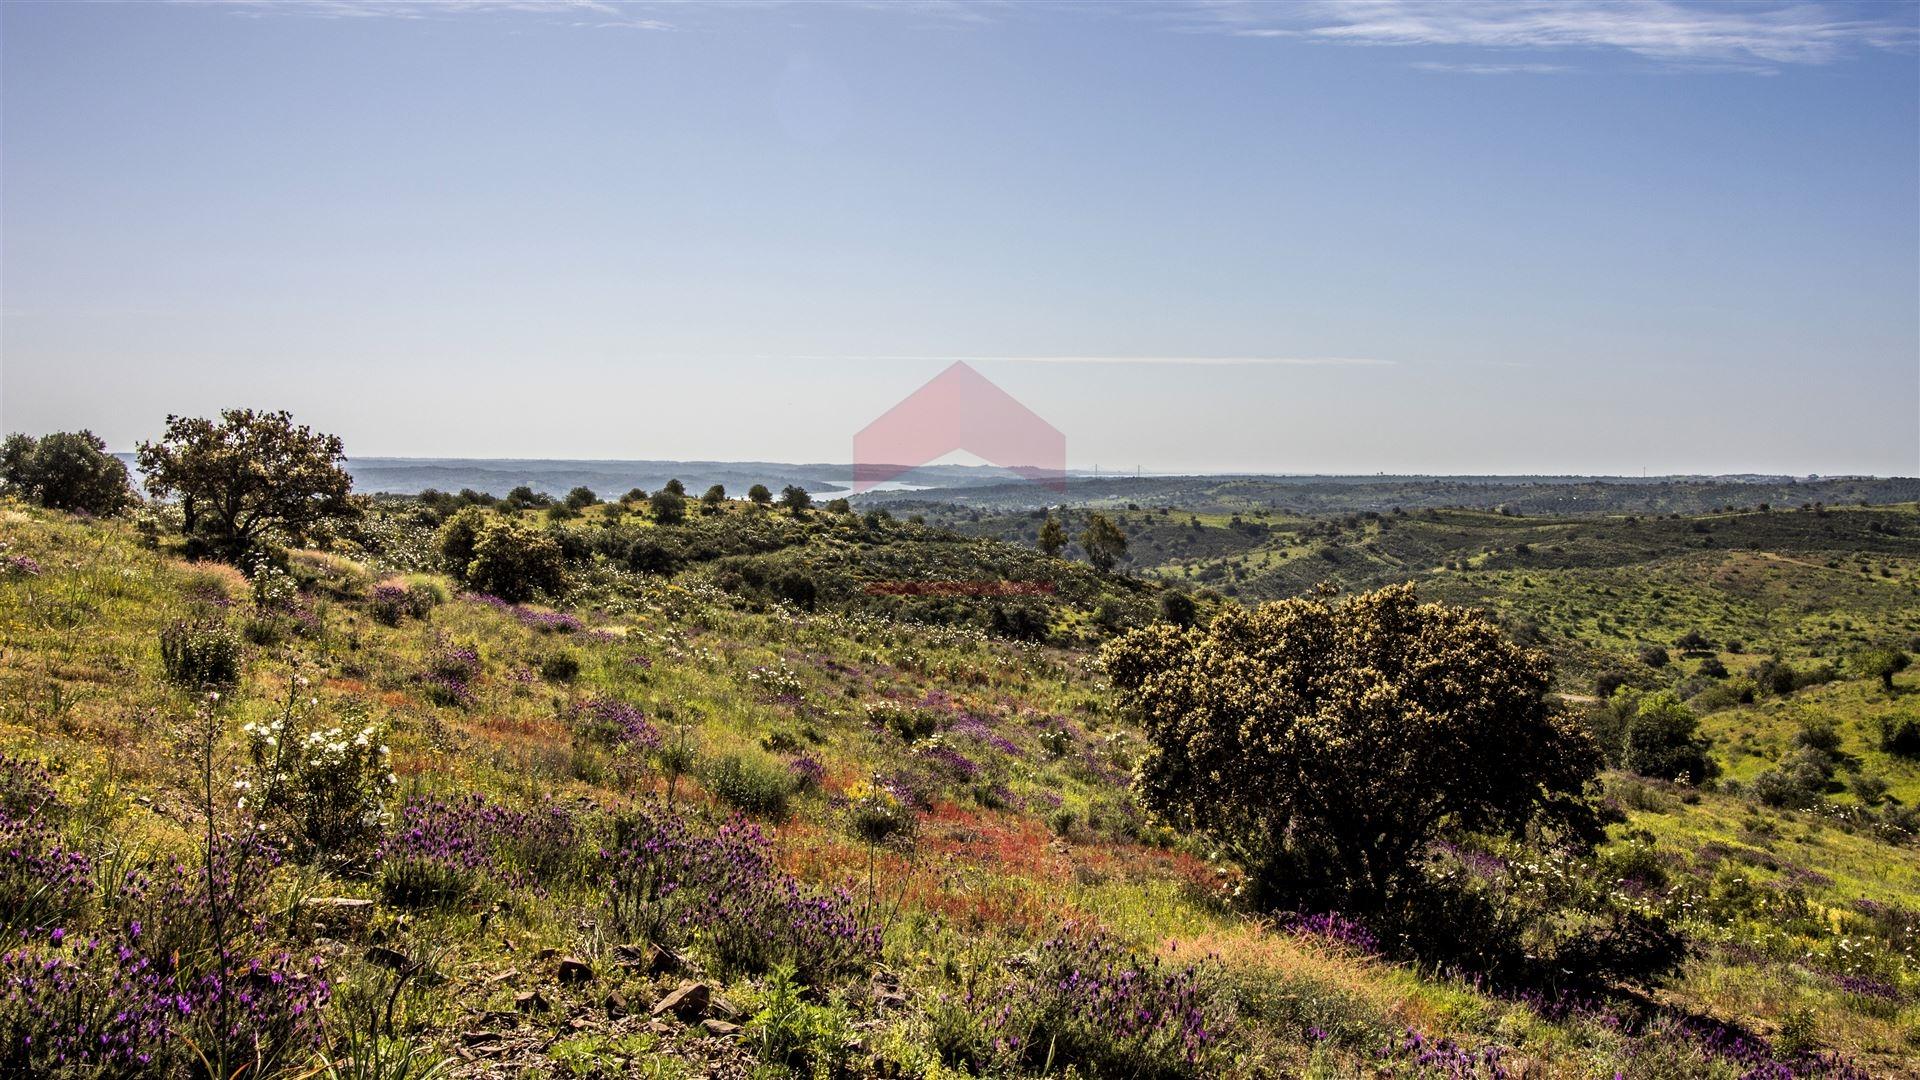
x=391, y=959
x=350, y=904
x=531, y=1001
x=574, y=970
x=499, y=977
x=687, y=1001
x=720, y=1028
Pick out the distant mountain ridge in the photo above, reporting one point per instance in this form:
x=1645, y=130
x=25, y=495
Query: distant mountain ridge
x=989, y=487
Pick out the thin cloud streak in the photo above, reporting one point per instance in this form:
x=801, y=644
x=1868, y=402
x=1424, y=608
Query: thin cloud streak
x=1491, y=69
x=580, y=13
x=1749, y=35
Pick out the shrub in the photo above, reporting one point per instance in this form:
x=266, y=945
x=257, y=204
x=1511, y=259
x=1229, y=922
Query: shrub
x=1532, y=918
x=560, y=666
x=457, y=538
x=1082, y=1001
x=669, y=507
x=42, y=884
x=448, y=852
x=450, y=673
x=1297, y=735
x=200, y=654
x=789, y=1033
x=516, y=562
x=668, y=884
x=394, y=603
x=796, y=588
x=67, y=470
x=1661, y=736
x=327, y=787
x=910, y=724
x=648, y=555
x=1654, y=656
x=752, y=784
x=175, y=981
x=1801, y=779
x=1177, y=608
x=1900, y=735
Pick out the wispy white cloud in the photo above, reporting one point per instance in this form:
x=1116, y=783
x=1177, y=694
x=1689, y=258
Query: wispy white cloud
x=1196, y=361
x=1490, y=69
x=596, y=13
x=1745, y=35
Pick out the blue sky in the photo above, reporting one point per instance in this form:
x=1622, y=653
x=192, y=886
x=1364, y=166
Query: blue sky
x=1439, y=238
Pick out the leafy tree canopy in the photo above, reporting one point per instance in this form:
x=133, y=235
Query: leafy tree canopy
x=1105, y=542
x=247, y=475
x=1325, y=746
x=67, y=470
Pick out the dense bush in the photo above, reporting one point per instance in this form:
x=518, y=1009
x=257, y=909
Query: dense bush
x=516, y=562
x=249, y=476
x=393, y=603
x=323, y=789
x=1325, y=746
x=200, y=654
x=457, y=537
x=1900, y=735
x=750, y=783
x=67, y=470
x=1659, y=736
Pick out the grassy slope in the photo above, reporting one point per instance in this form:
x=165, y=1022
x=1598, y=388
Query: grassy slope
x=79, y=682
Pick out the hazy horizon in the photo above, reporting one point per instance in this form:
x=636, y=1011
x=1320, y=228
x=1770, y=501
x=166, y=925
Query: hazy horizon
x=1512, y=239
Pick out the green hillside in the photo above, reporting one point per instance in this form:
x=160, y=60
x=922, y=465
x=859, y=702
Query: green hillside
x=933, y=782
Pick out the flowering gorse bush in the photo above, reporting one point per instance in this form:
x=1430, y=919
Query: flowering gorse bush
x=325, y=788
